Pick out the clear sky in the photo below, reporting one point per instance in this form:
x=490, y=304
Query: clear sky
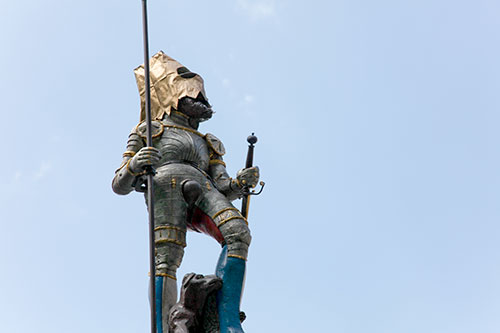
x=378, y=126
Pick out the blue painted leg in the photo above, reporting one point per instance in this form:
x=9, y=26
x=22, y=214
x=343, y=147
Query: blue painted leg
x=159, y=294
x=231, y=270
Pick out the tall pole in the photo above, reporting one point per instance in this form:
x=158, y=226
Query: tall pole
x=150, y=172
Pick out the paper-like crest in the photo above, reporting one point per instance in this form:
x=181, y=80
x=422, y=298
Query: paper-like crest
x=167, y=86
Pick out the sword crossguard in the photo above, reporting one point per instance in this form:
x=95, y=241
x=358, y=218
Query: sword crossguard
x=248, y=192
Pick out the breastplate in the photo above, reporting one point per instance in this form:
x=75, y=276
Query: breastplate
x=176, y=144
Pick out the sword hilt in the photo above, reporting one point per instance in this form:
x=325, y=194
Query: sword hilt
x=252, y=140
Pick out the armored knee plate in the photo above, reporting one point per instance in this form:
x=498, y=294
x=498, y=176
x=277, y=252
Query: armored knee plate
x=170, y=242
x=234, y=228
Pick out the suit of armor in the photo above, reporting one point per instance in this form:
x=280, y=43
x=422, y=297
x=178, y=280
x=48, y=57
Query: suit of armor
x=192, y=190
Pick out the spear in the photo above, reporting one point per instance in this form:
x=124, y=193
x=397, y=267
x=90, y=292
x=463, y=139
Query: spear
x=149, y=170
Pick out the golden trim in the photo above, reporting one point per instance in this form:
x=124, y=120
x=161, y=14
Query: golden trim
x=237, y=256
x=169, y=227
x=231, y=180
x=159, y=133
x=219, y=150
x=224, y=210
x=174, y=241
x=133, y=173
x=208, y=186
x=185, y=129
x=217, y=162
x=173, y=182
x=153, y=136
x=166, y=275
x=231, y=218
x=179, y=113
x=121, y=166
x=129, y=153
x=237, y=181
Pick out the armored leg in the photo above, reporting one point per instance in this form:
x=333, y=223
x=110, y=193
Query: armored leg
x=232, y=225
x=231, y=268
x=168, y=259
x=170, y=240
x=234, y=228
x=231, y=265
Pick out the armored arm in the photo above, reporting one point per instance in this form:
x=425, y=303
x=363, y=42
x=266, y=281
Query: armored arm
x=135, y=159
x=231, y=188
x=227, y=185
x=124, y=175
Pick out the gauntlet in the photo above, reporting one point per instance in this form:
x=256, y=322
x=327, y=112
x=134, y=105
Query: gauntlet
x=248, y=178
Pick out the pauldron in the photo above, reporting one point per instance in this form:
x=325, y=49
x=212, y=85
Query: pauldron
x=215, y=144
x=156, y=129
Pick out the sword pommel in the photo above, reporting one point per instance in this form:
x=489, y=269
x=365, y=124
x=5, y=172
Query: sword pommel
x=252, y=139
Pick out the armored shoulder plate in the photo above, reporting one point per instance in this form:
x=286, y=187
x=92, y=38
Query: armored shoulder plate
x=157, y=128
x=215, y=144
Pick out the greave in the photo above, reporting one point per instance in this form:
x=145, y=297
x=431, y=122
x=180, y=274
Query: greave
x=231, y=270
x=166, y=297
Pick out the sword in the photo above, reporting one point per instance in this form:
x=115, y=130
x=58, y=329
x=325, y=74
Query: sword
x=245, y=204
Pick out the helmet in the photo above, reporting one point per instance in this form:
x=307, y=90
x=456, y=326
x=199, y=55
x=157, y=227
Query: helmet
x=170, y=81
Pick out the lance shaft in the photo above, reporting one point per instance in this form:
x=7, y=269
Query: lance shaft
x=150, y=171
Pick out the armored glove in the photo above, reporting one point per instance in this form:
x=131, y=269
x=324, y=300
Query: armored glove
x=147, y=156
x=248, y=177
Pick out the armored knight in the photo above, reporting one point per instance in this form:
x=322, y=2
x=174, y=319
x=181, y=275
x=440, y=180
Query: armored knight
x=192, y=189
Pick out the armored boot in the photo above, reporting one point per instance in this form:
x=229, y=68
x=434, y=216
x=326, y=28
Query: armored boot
x=166, y=297
x=231, y=270
x=168, y=258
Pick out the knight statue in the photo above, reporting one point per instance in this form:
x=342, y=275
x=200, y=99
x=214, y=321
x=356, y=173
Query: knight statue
x=192, y=189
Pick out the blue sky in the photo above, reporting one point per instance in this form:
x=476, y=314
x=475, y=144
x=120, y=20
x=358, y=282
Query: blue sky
x=378, y=140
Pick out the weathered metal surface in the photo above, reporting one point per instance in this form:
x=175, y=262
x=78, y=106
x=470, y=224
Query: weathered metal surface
x=181, y=155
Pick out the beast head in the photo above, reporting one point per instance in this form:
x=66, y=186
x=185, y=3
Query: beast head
x=196, y=288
